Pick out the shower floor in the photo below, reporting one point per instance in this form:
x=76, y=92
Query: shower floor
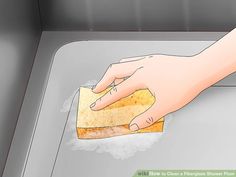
x=199, y=136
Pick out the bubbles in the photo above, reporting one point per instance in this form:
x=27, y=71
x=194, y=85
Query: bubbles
x=67, y=104
x=119, y=147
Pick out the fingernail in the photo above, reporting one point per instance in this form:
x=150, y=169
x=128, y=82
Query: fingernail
x=134, y=127
x=92, y=105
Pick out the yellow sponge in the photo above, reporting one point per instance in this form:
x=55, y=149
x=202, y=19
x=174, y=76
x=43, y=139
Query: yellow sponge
x=114, y=119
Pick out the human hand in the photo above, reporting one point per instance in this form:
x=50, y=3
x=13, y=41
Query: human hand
x=174, y=81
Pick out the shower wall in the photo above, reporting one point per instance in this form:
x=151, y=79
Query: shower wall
x=138, y=15
x=19, y=37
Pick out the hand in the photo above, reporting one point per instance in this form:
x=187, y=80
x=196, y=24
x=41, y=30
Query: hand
x=173, y=81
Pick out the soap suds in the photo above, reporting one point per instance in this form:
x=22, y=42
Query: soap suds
x=67, y=104
x=119, y=147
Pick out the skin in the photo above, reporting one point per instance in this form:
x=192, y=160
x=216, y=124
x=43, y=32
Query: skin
x=174, y=81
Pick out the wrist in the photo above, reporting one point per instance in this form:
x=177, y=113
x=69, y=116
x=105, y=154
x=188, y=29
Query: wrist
x=203, y=72
x=212, y=68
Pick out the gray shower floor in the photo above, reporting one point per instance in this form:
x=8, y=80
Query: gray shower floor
x=200, y=135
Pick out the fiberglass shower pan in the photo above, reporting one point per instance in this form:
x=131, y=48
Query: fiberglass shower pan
x=199, y=136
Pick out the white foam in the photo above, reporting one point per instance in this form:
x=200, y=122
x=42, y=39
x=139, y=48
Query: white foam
x=67, y=103
x=120, y=147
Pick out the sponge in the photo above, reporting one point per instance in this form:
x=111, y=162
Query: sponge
x=114, y=119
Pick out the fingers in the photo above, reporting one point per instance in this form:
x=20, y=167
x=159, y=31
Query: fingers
x=118, y=92
x=118, y=81
x=147, y=118
x=116, y=71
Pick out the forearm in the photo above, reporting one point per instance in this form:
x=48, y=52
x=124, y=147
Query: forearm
x=219, y=60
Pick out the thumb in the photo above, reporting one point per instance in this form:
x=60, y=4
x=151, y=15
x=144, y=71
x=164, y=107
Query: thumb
x=147, y=118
